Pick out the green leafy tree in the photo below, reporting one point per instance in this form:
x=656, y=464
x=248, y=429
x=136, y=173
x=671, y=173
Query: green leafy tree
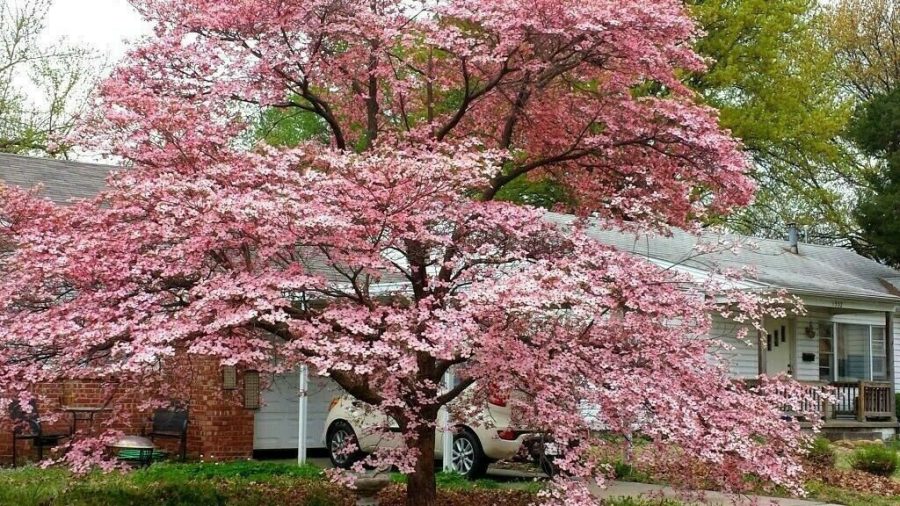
x=775, y=82
x=43, y=87
x=864, y=36
x=876, y=130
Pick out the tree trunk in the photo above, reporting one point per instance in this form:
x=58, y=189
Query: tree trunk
x=421, y=489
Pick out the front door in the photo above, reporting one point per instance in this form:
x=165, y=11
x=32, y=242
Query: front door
x=779, y=342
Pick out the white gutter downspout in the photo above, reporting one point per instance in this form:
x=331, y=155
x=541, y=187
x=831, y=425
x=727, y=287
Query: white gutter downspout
x=301, y=415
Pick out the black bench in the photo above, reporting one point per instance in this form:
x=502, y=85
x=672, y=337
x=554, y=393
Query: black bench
x=170, y=424
x=27, y=426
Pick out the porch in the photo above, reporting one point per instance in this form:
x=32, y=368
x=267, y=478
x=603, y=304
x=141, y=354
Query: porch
x=846, y=347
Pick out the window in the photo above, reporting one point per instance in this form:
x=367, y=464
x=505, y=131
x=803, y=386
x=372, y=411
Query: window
x=879, y=353
x=861, y=353
x=826, y=358
x=853, y=359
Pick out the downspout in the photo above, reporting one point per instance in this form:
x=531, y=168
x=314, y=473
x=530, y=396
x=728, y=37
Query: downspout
x=761, y=356
x=889, y=352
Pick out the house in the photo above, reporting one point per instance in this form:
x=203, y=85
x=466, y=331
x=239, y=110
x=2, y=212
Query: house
x=847, y=337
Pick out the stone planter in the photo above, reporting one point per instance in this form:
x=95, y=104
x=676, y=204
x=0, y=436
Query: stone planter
x=367, y=487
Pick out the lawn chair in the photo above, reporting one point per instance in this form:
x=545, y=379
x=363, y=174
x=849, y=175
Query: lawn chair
x=170, y=424
x=27, y=426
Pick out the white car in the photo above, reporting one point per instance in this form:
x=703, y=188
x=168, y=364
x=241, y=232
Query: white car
x=475, y=444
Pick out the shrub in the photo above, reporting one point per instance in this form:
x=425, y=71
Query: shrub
x=875, y=459
x=821, y=453
x=627, y=472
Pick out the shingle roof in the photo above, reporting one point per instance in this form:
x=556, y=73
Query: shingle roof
x=816, y=269
x=824, y=270
x=63, y=180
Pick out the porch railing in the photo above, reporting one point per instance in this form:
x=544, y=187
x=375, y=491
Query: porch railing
x=857, y=400
x=860, y=400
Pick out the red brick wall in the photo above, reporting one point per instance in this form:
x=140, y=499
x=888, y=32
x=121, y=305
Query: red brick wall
x=222, y=428
x=219, y=427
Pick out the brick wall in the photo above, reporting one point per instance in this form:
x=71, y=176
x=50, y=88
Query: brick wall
x=222, y=427
x=219, y=427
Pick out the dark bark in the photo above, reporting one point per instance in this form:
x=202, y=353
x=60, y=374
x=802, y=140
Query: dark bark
x=421, y=488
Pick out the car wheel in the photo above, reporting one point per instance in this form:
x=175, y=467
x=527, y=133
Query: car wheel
x=341, y=434
x=467, y=457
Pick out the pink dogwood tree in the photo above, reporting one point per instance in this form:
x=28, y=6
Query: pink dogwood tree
x=385, y=254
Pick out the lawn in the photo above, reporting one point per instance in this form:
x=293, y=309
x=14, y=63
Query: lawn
x=843, y=455
x=243, y=483
x=253, y=483
x=172, y=484
x=840, y=484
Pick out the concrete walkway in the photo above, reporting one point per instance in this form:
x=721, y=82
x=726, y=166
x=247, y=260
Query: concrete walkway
x=629, y=489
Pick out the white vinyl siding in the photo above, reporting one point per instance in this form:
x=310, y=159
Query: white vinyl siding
x=743, y=359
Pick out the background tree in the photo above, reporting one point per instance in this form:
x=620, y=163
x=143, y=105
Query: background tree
x=776, y=83
x=42, y=86
x=865, y=37
x=380, y=255
x=876, y=130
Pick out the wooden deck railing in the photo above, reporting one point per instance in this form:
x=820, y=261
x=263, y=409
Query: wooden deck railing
x=861, y=400
x=857, y=400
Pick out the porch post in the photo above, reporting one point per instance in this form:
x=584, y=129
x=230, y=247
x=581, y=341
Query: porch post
x=444, y=419
x=761, y=353
x=889, y=352
x=861, y=402
x=301, y=415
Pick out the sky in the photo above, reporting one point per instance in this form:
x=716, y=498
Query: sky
x=102, y=24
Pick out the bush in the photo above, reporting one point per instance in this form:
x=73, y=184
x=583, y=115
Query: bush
x=627, y=472
x=821, y=453
x=875, y=459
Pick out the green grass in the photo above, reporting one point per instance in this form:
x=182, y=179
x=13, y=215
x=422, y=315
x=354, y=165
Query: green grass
x=170, y=484
x=844, y=458
x=245, y=469
x=455, y=481
x=242, y=483
x=827, y=493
